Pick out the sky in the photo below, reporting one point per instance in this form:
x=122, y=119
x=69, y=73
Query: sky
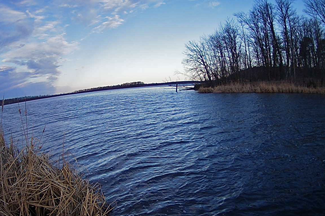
x=58, y=46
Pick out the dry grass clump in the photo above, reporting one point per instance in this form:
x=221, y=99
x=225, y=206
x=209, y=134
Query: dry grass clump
x=262, y=87
x=31, y=185
x=206, y=90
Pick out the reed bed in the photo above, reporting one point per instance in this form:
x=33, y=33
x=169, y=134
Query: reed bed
x=31, y=185
x=262, y=87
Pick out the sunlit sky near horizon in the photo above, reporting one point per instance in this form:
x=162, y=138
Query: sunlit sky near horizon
x=58, y=46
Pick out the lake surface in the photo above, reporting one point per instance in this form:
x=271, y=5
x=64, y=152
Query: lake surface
x=158, y=152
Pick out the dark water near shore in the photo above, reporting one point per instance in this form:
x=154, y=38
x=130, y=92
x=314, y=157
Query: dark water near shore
x=157, y=152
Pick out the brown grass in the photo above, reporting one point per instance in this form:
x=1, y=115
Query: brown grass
x=262, y=87
x=31, y=185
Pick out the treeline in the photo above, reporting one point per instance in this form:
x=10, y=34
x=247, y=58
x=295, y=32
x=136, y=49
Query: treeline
x=271, y=42
x=124, y=85
x=30, y=98
x=104, y=88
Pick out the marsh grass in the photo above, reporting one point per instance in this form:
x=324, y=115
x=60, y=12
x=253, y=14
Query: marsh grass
x=31, y=185
x=262, y=87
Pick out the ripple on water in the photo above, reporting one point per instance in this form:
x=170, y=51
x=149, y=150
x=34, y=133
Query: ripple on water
x=156, y=152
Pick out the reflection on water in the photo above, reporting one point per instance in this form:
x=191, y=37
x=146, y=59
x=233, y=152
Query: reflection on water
x=157, y=152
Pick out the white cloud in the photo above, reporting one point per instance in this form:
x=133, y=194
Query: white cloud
x=17, y=84
x=53, y=47
x=35, y=64
x=42, y=10
x=117, y=4
x=68, y=6
x=87, y=16
x=111, y=23
x=33, y=43
x=44, y=31
x=37, y=18
x=206, y=3
x=214, y=4
x=158, y=4
x=144, y=6
x=7, y=15
x=5, y=69
x=27, y=3
x=90, y=12
x=14, y=26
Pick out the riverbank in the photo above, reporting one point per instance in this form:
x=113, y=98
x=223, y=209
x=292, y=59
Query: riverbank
x=32, y=185
x=262, y=87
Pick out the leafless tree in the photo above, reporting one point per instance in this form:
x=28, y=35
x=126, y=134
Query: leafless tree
x=287, y=19
x=217, y=45
x=316, y=8
x=271, y=36
x=196, y=60
x=232, y=46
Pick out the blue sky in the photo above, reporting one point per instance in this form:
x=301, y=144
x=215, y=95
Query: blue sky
x=61, y=46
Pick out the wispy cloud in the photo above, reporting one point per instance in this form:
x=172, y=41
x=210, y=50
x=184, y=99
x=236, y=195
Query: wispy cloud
x=33, y=44
x=68, y=6
x=10, y=78
x=36, y=64
x=27, y=3
x=8, y=15
x=41, y=59
x=117, y=5
x=32, y=49
x=110, y=23
x=98, y=11
x=87, y=16
x=5, y=70
x=206, y=3
x=37, y=18
x=15, y=84
x=14, y=26
x=144, y=6
x=45, y=30
x=158, y=4
x=214, y=4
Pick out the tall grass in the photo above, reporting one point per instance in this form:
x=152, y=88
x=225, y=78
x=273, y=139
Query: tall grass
x=262, y=87
x=31, y=185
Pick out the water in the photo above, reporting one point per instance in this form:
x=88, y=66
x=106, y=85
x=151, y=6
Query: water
x=157, y=152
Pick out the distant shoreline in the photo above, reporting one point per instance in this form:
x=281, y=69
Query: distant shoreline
x=104, y=88
x=262, y=87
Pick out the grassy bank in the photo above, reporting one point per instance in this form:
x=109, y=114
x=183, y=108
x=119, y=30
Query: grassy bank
x=262, y=87
x=31, y=185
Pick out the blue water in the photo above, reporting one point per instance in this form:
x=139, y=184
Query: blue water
x=158, y=152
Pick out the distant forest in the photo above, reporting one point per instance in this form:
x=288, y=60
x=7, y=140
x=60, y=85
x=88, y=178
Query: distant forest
x=270, y=42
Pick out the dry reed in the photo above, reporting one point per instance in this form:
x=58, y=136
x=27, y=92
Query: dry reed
x=31, y=185
x=262, y=87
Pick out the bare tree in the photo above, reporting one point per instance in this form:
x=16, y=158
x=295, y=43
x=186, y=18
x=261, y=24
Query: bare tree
x=232, y=46
x=196, y=60
x=246, y=54
x=214, y=57
x=218, y=47
x=316, y=8
x=268, y=14
x=272, y=37
x=255, y=29
x=287, y=20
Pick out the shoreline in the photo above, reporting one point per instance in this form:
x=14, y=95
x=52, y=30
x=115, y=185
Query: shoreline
x=263, y=87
